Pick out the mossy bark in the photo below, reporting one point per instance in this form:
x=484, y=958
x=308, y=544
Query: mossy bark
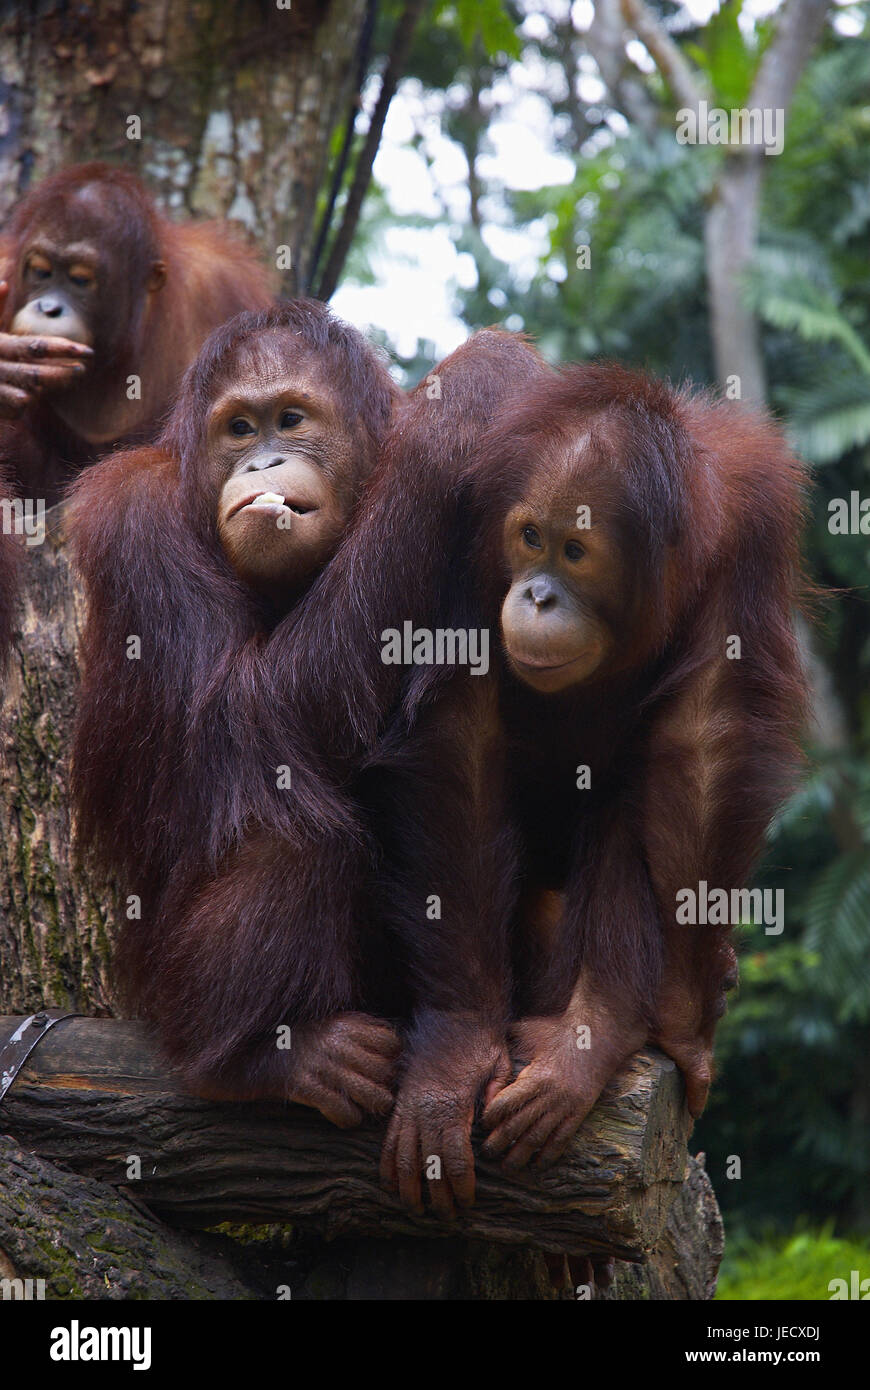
x=56, y=924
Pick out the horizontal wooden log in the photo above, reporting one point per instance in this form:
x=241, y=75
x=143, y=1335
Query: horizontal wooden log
x=93, y=1095
x=682, y=1267
x=85, y=1240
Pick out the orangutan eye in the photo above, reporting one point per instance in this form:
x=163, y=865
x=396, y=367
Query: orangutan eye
x=574, y=550
x=532, y=537
x=39, y=267
x=81, y=277
x=290, y=419
x=241, y=426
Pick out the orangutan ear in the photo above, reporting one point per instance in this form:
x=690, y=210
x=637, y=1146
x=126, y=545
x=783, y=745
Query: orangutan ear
x=157, y=276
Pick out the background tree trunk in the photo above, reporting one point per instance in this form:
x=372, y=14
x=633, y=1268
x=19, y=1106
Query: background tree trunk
x=730, y=241
x=237, y=103
x=731, y=229
x=55, y=925
x=732, y=223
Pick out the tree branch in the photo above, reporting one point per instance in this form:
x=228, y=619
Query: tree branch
x=797, y=33
x=605, y=41
x=363, y=52
x=687, y=86
x=402, y=37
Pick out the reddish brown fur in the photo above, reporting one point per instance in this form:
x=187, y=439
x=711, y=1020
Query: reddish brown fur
x=710, y=509
x=143, y=532
x=210, y=277
x=713, y=498
x=422, y=752
x=251, y=912
x=684, y=778
x=406, y=559
x=264, y=917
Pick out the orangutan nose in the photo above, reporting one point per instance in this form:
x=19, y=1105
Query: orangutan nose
x=542, y=593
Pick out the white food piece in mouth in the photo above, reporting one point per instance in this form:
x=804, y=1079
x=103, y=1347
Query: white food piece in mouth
x=267, y=499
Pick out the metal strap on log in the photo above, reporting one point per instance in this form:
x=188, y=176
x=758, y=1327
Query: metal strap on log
x=25, y=1036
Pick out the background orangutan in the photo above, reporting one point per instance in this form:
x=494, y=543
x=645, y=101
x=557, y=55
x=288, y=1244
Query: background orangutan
x=99, y=287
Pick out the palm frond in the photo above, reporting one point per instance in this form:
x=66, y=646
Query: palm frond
x=837, y=915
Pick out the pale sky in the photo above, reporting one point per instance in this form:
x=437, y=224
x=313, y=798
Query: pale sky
x=417, y=269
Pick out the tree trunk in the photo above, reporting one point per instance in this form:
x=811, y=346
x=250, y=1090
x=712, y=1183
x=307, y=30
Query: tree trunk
x=104, y=1246
x=731, y=225
x=731, y=228
x=55, y=925
x=681, y=1267
x=236, y=103
x=731, y=239
x=65, y=1236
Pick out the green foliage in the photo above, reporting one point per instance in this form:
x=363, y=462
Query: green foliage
x=728, y=59
x=829, y=415
x=799, y=1267
x=808, y=311
x=837, y=914
x=486, y=20
x=640, y=210
x=461, y=36
x=789, y=1098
